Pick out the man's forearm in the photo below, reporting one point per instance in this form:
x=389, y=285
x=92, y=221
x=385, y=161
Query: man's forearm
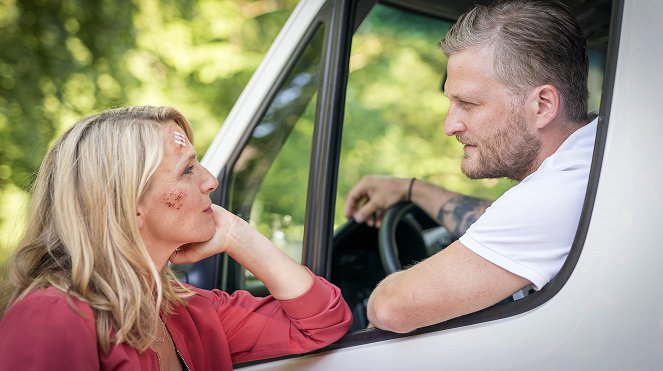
x=460, y=212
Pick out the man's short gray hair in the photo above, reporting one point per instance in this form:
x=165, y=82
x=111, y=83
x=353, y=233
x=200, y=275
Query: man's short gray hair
x=533, y=43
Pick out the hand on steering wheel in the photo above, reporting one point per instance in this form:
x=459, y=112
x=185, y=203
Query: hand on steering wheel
x=368, y=200
x=400, y=238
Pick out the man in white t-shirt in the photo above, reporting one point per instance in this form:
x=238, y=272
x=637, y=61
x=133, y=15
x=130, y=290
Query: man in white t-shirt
x=517, y=83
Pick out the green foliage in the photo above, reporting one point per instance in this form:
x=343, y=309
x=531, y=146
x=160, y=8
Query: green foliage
x=62, y=60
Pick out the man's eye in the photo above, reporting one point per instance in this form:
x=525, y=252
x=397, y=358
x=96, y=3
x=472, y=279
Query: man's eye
x=188, y=170
x=462, y=104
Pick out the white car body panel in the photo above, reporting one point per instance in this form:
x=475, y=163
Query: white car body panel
x=256, y=91
x=609, y=315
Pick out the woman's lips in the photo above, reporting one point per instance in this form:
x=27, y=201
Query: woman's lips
x=208, y=210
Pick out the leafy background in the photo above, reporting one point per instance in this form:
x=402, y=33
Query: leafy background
x=61, y=60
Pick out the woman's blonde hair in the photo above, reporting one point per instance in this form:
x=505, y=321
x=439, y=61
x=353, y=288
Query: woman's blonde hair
x=82, y=236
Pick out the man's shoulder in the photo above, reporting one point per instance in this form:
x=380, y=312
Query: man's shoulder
x=559, y=190
x=560, y=187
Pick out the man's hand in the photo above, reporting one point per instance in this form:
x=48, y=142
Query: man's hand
x=368, y=199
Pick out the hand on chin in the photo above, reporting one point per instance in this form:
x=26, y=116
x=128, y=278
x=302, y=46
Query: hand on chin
x=196, y=251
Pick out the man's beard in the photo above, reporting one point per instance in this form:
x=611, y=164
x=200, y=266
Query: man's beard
x=510, y=152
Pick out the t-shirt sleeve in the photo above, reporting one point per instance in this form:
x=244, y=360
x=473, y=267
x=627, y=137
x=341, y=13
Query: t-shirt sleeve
x=43, y=332
x=265, y=327
x=529, y=230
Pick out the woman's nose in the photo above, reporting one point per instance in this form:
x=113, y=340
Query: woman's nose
x=209, y=183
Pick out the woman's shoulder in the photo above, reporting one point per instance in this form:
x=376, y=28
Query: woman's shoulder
x=51, y=296
x=49, y=308
x=48, y=328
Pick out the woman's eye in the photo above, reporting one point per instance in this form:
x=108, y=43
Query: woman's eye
x=188, y=170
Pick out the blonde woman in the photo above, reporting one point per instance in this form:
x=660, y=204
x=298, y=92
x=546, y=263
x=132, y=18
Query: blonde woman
x=117, y=197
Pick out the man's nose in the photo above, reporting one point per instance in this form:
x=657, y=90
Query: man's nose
x=453, y=124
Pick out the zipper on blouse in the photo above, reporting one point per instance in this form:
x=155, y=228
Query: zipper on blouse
x=182, y=358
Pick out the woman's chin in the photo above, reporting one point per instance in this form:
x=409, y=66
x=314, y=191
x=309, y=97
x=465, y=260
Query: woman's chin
x=203, y=234
x=208, y=234
x=206, y=231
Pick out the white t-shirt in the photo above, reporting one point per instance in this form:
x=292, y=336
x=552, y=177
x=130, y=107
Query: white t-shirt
x=529, y=230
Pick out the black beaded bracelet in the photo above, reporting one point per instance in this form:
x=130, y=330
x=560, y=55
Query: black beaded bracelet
x=409, y=189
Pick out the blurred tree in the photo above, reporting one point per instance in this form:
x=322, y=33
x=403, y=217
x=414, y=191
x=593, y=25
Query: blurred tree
x=62, y=60
x=65, y=59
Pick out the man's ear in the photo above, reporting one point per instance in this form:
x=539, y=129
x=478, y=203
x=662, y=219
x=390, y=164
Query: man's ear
x=545, y=105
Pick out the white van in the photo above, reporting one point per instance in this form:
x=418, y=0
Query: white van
x=289, y=133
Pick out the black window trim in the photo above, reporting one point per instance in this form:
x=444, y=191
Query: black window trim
x=327, y=133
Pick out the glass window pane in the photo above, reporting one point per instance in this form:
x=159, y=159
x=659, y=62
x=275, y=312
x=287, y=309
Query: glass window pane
x=269, y=181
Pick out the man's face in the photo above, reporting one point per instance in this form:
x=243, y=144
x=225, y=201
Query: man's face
x=487, y=119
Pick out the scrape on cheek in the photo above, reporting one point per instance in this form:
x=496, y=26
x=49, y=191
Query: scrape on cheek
x=175, y=199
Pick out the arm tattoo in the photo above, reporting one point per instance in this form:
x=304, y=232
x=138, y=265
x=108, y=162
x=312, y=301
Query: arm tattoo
x=460, y=212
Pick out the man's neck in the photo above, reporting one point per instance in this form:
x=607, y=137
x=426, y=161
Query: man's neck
x=552, y=137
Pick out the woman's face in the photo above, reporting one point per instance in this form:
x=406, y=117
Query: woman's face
x=175, y=209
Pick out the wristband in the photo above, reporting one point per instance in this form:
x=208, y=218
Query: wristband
x=409, y=189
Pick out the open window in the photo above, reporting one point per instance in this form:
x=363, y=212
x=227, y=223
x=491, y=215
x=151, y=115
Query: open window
x=393, y=125
x=268, y=182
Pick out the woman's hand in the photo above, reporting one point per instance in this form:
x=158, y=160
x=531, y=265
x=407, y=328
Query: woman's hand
x=284, y=278
x=225, y=222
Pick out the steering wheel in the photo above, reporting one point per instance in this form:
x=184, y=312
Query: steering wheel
x=400, y=239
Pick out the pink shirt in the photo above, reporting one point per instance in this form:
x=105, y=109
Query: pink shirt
x=213, y=331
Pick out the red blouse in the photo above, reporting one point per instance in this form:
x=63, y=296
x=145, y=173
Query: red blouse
x=48, y=330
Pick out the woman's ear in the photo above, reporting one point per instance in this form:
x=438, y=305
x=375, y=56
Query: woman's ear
x=545, y=103
x=139, y=218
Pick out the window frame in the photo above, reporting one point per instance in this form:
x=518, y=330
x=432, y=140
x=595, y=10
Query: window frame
x=222, y=272
x=534, y=300
x=340, y=19
x=555, y=285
